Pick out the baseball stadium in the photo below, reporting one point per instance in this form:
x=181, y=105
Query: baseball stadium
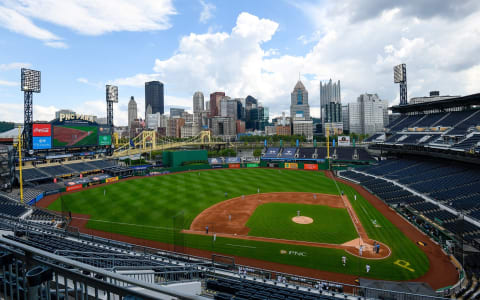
x=394, y=216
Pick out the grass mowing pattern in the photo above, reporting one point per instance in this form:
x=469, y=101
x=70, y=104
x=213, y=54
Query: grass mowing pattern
x=402, y=247
x=274, y=220
x=151, y=202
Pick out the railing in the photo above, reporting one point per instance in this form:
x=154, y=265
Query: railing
x=30, y=273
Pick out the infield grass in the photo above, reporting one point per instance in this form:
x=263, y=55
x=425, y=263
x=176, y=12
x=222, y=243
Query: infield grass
x=146, y=207
x=274, y=220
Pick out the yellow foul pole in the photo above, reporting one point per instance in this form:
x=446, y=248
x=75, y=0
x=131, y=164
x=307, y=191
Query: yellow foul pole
x=327, y=133
x=20, y=161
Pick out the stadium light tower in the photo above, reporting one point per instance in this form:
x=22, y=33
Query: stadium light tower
x=111, y=97
x=400, y=76
x=30, y=83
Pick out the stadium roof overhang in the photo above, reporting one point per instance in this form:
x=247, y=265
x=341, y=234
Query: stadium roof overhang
x=441, y=105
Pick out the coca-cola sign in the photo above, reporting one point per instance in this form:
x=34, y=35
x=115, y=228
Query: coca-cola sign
x=42, y=130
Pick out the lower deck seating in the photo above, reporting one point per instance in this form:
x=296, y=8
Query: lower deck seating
x=88, y=253
x=246, y=289
x=11, y=208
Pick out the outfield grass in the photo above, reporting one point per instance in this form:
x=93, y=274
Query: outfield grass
x=150, y=203
x=274, y=220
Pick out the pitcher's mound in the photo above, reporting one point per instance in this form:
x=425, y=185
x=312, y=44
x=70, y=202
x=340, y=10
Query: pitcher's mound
x=302, y=220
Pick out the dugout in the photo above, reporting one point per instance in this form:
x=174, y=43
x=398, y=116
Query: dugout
x=180, y=158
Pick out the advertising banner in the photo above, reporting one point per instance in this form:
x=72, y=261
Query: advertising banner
x=234, y=166
x=310, y=167
x=343, y=140
x=74, y=187
x=252, y=165
x=111, y=179
x=232, y=160
x=291, y=166
x=104, y=140
x=217, y=166
x=42, y=130
x=40, y=143
x=215, y=161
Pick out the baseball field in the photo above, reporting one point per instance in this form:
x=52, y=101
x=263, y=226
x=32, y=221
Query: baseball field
x=261, y=227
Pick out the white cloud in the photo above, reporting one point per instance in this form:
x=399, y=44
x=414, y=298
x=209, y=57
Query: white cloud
x=57, y=44
x=8, y=83
x=86, y=81
x=16, y=22
x=14, y=66
x=85, y=17
x=135, y=81
x=13, y=112
x=207, y=11
x=440, y=53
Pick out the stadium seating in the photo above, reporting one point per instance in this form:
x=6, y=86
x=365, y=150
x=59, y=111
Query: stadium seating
x=453, y=118
x=43, y=215
x=467, y=124
x=244, y=289
x=101, y=164
x=373, y=137
x=454, y=185
x=59, y=170
x=11, y=208
x=306, y=153
x=47, y=187
x=85, y=252
x=271, y=152
x=81, y=167
x=457, y=130
x=33, y=175
x=441, y=215
x=468, y=143
x=425, y=207
x=405, y=122
x=430, y=120
x=288, y=153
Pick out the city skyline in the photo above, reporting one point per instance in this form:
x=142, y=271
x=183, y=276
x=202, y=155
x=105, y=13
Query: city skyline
x=358, y=46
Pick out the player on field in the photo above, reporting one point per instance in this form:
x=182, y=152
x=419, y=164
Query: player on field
x=344, y=260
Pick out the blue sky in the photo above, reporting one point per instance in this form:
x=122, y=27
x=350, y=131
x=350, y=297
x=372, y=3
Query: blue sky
x=240, y=47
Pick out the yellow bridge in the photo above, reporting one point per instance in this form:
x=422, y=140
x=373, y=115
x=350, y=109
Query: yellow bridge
x=147, y=141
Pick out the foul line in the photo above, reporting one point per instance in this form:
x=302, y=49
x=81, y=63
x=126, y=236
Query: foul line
x=243, y=246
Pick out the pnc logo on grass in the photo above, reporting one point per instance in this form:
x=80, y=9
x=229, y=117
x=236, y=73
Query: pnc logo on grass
x=292, y=252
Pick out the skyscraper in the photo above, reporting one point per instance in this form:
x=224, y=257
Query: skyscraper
x=330, y=93
x=215, y=103
x=199, y=108
x=176, y=112
x=300, y=111
x=299, y=108
x=228, y=108
x=154, y=97
x=132, y=111
x=198, y=100
x=369, y=115
x=330, y=106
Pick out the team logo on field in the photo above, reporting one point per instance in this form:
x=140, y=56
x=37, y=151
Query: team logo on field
x=294, y=253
